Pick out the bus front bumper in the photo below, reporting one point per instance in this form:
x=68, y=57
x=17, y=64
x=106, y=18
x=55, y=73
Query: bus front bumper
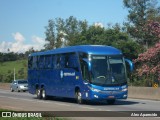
x=105, y=95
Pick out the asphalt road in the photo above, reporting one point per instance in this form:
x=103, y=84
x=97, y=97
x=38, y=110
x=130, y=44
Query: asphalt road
x=23, y=101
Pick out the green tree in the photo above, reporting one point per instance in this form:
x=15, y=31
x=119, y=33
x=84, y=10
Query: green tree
x=21, y=73
x=130, y=48
x=140, y=11
x=50, y=35
x=1, y=78
x=60, y=32
x=9, y=76
x=72, y=30
x=92, y=35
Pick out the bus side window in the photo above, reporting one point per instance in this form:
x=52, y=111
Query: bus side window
x=54, y=61
x=34, y=65
x=62, y=61
x=72, y=61
x=41, y=62
x=57, y=61
x=48, y=61
x=30, y=61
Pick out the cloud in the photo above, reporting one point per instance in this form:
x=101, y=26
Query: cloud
x=18, y=37
x=98, y=24
x=38, y=42
x=4, y=46
x=19, y=46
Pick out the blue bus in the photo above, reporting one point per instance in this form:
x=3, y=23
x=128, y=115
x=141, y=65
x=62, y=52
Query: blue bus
x=84, y=72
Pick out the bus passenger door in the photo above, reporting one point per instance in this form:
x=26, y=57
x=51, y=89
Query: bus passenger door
x=70, y=74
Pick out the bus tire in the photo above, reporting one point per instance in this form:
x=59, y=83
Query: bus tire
x=39, y=93
x=111, y=102
x=44, y=96
x=79, y=97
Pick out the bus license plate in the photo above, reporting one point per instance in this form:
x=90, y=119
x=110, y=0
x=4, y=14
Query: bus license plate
x=110, y=96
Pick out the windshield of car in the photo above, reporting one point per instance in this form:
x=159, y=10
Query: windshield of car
x=108, y=70
x=22, y=82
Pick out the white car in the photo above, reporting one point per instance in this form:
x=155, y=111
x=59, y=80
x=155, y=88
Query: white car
x=19, y=85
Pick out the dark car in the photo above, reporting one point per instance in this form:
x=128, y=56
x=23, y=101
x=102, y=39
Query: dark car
x=19, y=85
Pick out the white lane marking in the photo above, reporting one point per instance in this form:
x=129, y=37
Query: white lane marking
x=91, y=108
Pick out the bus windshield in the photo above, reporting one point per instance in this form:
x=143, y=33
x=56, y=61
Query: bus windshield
x=108, y=70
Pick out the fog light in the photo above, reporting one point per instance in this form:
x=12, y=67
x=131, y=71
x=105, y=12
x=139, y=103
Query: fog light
x=124, y=96
x=95, y=96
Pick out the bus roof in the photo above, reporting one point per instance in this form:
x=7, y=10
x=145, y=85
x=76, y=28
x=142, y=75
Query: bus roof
x=90, y=49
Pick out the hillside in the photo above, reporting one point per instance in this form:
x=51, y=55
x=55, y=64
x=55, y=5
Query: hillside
x=7, y=70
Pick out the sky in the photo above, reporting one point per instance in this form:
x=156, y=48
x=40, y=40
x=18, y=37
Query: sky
x=22, y=22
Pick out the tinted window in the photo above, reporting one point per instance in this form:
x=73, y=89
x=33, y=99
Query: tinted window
x=48, y=61
x=54, y=61
x=22, y=82
x=41, y=62
x=30, y=60
x=34, y=65
x=57, y=62
x=72, y=61
x=62, y=60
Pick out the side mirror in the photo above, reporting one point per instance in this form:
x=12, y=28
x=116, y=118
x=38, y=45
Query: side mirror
x=130, y=64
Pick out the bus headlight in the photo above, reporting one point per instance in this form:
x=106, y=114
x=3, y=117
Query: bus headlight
x=93, y=89
x=124, y=88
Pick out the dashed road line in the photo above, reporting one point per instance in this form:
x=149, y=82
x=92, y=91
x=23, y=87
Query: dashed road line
x=90, y=108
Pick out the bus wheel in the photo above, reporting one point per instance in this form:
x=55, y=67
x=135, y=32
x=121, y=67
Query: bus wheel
x=111, y=102
x=79, y=97
x=38, y=93
x=44, y=96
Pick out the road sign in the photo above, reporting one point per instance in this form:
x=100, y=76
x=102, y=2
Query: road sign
x=155, y=85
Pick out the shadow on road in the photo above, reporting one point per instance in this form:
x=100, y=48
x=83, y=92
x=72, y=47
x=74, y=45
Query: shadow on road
x=95, y=103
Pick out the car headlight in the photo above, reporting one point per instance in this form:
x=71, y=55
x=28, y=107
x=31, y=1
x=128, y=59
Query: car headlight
x=21, y=86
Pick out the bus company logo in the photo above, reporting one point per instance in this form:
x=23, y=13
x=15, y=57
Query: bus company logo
x=111, y=89
x=69, y=74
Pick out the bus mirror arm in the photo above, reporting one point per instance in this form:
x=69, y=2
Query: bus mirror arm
x=130, y=64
